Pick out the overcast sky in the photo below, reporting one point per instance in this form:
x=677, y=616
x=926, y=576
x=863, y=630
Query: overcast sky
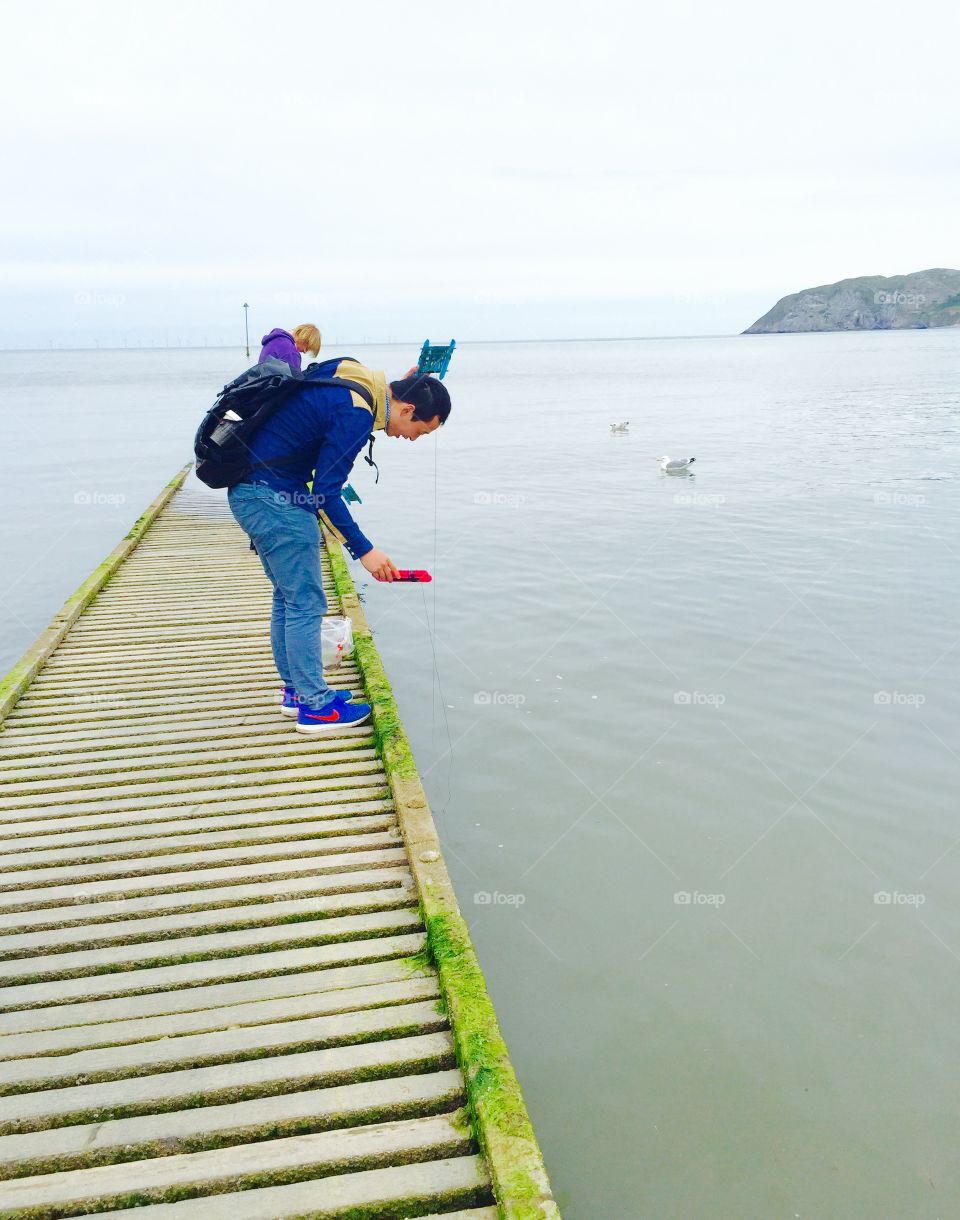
x=504, y=170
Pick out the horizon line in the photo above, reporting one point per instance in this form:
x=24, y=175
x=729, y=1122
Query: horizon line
x=417, y=343
x=199, y=347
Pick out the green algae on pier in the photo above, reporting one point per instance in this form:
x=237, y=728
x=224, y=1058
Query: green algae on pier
x=236, y=978
x=499, y=1115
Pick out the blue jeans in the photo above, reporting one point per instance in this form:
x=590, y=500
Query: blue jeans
x=287, y=539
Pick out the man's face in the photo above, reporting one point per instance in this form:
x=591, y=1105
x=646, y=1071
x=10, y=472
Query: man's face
x=403, y=424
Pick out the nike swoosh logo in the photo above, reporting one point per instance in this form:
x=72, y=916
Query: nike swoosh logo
x=328, y=719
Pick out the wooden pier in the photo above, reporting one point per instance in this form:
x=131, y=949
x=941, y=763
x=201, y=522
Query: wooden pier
x=234, y=980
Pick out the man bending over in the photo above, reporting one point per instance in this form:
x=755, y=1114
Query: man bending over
x=317, y=434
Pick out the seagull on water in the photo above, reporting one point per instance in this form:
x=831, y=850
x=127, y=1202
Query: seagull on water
x=620, y=427
x=675, y=465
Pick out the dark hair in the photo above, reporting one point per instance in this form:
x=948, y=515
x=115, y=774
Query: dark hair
x=429, y=396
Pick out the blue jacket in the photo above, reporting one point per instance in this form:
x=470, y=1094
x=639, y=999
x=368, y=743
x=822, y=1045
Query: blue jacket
x=322, y=429
x=280, y=345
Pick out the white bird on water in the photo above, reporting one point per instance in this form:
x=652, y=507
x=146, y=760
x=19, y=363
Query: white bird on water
x=675, y=465
x=620, y=427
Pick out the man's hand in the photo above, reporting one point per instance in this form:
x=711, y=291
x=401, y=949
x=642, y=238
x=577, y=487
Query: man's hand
x=380, y=565
x=411, y=372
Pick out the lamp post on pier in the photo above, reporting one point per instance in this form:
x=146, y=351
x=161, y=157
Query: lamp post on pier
x=246, y=326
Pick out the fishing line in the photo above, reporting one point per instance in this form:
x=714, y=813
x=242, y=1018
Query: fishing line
x=432, y=632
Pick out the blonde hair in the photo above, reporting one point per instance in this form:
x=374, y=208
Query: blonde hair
x=309, y=336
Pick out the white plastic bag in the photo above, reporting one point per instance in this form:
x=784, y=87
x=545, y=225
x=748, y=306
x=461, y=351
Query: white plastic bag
x=336, y=640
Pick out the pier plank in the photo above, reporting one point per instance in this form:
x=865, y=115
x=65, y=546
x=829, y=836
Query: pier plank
x=215, y=995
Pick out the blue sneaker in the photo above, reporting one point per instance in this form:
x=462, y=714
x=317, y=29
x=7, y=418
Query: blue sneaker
x=337, y=714
x=290, y=705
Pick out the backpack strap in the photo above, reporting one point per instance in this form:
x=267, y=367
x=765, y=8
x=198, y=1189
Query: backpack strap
x=367, y=398
x=335, y=382
x=350, y=385
x=368, y=457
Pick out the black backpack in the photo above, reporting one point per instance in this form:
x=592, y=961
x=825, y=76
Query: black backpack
x=243, y=406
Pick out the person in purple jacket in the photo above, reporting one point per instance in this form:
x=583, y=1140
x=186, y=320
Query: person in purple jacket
x=288, y=345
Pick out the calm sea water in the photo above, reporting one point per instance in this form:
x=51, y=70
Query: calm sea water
x=691, y=743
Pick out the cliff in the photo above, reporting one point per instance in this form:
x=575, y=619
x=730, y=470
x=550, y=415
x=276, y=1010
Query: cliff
x=872, y=302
